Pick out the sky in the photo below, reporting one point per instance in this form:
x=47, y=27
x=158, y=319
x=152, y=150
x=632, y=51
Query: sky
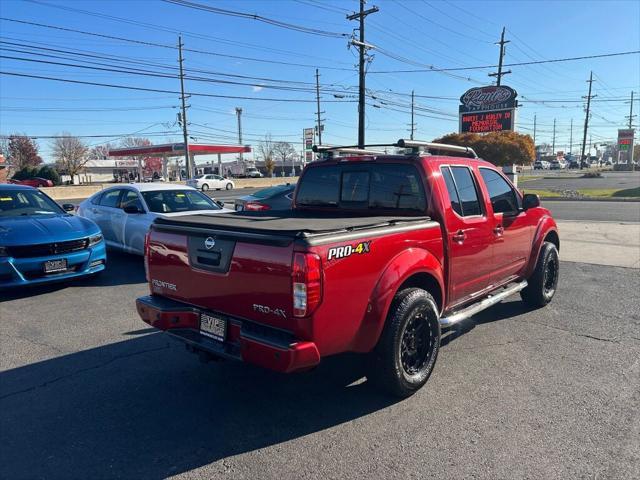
x=272, y=67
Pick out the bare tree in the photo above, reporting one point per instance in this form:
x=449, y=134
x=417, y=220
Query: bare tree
x=132, y=142
x=100, y=152
x=266, y=149
x=71, y=154
x=284, y=151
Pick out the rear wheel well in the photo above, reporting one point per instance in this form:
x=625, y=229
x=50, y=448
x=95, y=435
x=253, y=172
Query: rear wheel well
x=552, y=237
x=426, y=282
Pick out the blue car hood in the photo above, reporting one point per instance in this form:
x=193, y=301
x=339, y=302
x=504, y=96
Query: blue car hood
x=35, y=229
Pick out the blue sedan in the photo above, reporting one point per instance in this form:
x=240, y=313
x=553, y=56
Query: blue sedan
x=40, y=242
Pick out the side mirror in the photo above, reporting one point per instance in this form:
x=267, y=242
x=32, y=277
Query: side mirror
x=530, y=200
x=68, y=207
x=132, y=209
x=219, y=203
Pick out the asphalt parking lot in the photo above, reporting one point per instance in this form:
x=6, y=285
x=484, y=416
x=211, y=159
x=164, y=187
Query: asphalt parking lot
x=572, y=180
x=87, y=391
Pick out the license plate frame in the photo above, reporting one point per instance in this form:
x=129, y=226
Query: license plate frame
x=213, y=326
x=55, y=266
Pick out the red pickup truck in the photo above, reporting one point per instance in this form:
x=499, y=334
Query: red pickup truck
x=378, y=254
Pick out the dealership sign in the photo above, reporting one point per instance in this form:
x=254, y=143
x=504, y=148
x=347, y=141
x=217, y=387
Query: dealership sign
x=488, y=109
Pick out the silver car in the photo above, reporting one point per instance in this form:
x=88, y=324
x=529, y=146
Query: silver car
x=124, y=213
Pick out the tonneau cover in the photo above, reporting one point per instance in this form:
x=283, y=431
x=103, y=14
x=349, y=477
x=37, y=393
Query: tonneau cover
x=290, y=223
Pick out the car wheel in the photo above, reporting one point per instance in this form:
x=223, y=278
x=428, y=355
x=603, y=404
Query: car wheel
x=408, y=347
x=205, y=187
x=229, y=186
x=543, y=282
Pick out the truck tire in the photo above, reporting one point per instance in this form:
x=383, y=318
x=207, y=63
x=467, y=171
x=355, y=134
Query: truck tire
x=543, y=282
x=408, y=347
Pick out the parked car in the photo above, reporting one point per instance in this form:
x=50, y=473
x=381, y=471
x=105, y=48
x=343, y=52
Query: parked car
x=40, y=242
x=377, y=255
x=541, y=165
x=253, y=173
x=574, y=164
x=210, y=181
x=272, y=198
x=125, y=213
x=34, y=182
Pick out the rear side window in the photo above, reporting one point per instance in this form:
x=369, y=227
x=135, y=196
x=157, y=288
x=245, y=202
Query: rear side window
x=467, y=191
x=451, y=188
x=503, y=198
x=373, y=186
x=96, y=199
x=111, y=198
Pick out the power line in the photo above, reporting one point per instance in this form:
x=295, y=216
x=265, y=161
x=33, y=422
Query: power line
x=259, y=18
x=146, y=89
x=537, y=62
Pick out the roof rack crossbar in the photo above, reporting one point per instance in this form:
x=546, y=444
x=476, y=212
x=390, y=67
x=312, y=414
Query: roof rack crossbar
x=418, y=144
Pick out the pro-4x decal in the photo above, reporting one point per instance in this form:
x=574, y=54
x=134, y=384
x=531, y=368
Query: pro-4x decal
x=347, y=250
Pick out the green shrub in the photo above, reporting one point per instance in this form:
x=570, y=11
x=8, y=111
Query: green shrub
x=50, y=173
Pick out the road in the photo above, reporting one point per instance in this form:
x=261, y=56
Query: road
x=86, y=391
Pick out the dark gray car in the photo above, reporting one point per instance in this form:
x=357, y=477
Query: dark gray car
x=271, y=198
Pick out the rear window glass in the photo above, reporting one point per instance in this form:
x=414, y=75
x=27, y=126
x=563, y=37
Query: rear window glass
x=272, y=191
x=373, y=186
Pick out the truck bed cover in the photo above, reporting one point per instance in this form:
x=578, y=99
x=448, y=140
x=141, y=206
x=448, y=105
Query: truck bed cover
x=291, y=224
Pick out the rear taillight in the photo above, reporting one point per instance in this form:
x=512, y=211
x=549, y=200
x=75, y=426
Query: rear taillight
x=307, y=283
x=147, y=249
x=256, y=206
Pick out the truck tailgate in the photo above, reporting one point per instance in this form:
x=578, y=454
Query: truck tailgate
x=248, y=279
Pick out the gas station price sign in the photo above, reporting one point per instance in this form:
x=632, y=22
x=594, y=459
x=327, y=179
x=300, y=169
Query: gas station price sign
x=624, y=144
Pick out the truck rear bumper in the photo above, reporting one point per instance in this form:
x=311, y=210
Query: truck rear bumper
x=245, y=340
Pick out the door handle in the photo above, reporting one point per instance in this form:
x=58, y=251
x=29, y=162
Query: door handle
x=459, y=236
x=499, y=230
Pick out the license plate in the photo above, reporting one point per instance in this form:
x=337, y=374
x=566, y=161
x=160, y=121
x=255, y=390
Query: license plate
x=213, y=327
x=52, y=266
x=239, y=208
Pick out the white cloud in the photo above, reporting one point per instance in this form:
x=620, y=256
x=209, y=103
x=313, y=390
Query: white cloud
x=257, y=88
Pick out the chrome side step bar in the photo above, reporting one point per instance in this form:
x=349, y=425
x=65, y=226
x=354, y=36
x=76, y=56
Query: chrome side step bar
x=490, y=301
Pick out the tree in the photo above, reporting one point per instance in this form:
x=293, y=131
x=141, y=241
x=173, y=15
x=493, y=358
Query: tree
x=499, y=148
x=266, y=149
x=100, y=152
x=50, y=173
x=71, y=154
x=22, y=151
x=284, y=151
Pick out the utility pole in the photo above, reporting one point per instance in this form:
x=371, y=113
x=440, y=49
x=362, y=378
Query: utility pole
x=413, y=123
x=185, y=136
x=239, y=114
x=535, y=117
x=318, y=112
x=363, y=51
x=586, y=119
x=553, y=144
x=571, y=139
x=633, y=141
x=499, y=74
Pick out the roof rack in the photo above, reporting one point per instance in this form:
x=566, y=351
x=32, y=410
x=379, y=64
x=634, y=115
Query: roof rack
x=418, y=146
x=330, y=151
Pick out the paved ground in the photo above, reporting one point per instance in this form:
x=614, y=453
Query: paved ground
x=594, y=210
x=600, y=243
x=86, y=391
x=572, y=181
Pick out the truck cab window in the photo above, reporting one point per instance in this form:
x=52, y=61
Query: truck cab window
x=467, y=191
x=503, y=198
x=454, y=198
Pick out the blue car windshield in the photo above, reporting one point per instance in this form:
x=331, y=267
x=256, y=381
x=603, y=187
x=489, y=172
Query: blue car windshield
x=15, y=203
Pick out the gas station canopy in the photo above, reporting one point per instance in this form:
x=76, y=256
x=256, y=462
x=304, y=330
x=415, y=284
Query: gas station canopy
x=177, y=149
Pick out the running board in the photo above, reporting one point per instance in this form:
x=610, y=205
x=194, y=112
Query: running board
x=490, y=301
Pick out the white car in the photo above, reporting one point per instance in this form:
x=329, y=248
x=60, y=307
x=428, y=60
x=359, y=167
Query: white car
x=209, y=180
x=124, y=213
